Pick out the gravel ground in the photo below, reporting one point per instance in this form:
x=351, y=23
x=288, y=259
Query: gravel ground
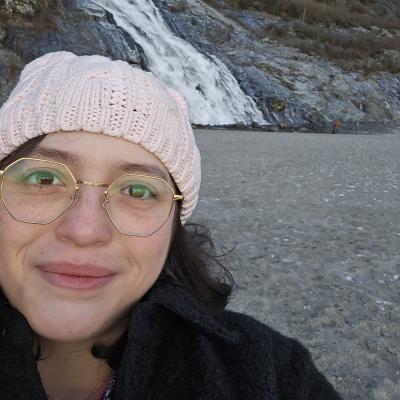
x=316, y=224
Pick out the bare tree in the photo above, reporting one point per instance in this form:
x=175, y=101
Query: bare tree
x=304, y=9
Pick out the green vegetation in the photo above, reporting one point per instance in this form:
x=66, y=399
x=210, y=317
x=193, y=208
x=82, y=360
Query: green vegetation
x=344, y=13
x=40, y=22
x=355, y=34
x=351, y=49
x=179, y=6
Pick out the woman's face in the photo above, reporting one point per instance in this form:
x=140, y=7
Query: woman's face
x=81, y=239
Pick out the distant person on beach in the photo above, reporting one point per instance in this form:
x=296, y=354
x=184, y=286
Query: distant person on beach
x=336, y=126
x=106, y=290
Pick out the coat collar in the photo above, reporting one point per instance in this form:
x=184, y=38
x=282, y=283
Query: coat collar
x=181, y=302
x=161, y=315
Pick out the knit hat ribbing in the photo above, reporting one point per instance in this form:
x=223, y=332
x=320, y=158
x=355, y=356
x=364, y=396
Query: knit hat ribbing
x=64, y=92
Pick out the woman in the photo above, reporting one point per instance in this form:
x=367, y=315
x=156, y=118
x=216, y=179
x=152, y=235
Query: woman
x=105, y=294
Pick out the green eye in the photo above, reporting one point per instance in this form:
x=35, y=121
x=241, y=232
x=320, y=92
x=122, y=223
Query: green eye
x=140, y=191
x=42, y=177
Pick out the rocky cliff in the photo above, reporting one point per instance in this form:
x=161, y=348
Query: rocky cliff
x=31, y=28
x=293, y=90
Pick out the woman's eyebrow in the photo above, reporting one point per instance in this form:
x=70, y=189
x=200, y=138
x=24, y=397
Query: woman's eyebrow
x=55, y=155
x=146, y=169
x=125, y=167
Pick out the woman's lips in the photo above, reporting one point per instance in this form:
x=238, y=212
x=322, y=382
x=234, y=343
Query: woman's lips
x=76, y=276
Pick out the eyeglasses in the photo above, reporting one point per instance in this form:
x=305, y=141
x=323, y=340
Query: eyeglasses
x=37, y=191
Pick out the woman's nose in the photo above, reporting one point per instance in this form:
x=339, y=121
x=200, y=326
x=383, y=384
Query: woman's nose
x=86, y=222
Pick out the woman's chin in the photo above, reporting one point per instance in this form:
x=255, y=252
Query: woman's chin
x=65, y=332
x=67, y=324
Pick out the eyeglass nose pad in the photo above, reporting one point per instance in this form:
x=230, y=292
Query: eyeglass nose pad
x=74, y=196
x=105, y=201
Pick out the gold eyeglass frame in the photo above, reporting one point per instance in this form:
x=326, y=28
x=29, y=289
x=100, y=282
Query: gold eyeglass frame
x=78, y=183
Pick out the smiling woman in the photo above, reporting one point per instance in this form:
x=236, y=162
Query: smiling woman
x=106, y=291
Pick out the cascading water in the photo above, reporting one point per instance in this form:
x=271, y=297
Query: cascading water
x=213, y=94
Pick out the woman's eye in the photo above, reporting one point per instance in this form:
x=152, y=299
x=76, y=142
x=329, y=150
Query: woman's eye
x=138, y=191
x=45, y=178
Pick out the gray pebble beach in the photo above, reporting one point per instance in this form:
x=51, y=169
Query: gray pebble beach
x=314, y=220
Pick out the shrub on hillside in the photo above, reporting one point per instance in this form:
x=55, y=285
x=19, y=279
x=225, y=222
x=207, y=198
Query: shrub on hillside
x=349, y=33
x=363, y=51
x=179, y=6
x=344, y=13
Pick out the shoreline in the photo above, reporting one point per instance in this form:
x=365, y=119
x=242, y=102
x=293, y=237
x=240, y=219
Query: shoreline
x=354, y=129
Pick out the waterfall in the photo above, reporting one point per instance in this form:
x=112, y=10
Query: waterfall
x=213, y=94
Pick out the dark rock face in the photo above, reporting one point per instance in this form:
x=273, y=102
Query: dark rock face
x=62, y=25
x=274, y=100
x=10, y=66
x=22, y=7
x=291, y=88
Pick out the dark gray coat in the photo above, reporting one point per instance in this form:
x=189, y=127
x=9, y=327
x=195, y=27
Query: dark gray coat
x=176, y=351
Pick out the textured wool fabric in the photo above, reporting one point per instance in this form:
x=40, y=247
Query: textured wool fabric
x=64, y=92
x=176, y=351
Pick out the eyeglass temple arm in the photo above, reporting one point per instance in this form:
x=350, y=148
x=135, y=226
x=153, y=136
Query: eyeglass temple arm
x=178, y=197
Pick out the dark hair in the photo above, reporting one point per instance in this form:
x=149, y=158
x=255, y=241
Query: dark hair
x=191, y=263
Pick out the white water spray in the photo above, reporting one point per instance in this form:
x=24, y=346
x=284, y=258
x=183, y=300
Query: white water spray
x=213, y=94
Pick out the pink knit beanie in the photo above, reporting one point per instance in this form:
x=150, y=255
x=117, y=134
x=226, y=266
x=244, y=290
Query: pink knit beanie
x=64, y=92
